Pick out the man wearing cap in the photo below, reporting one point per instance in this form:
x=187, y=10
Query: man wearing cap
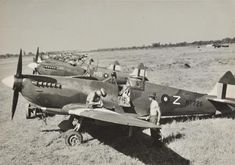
x=94, y=99
x=154, y=116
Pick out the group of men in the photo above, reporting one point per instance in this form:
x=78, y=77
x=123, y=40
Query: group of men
x=94, y=100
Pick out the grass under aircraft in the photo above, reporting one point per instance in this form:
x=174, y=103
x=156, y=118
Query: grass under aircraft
x=67, y=96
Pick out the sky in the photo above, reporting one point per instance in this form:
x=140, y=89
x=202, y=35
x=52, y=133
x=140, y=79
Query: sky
x=86, y=25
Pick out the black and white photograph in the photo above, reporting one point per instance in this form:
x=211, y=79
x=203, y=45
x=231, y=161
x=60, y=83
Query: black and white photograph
x=117, y=82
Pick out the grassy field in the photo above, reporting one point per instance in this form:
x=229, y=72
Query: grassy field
x=192, y=141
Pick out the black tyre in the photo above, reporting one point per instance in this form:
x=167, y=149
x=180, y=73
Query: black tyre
x=73, y=138
x=28, y=113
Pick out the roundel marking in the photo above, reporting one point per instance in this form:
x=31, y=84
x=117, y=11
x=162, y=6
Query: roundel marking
x=165, y=98
x=106, y=75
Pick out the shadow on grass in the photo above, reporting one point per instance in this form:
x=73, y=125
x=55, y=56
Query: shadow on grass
x=51, y=130
x=187, y=118
x=140, y=146
x=172, y=138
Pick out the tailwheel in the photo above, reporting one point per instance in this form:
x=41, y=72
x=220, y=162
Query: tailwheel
x=73, y=138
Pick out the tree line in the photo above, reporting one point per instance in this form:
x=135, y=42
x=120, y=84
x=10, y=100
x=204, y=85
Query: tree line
x=179, y=44
x=153, y=45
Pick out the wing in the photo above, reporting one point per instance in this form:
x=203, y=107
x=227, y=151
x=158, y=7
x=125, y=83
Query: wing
x=106, y=115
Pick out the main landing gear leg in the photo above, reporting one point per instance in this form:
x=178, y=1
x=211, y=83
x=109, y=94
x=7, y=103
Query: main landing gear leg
x=156, y=135
x=30, y=112
x=74, y=137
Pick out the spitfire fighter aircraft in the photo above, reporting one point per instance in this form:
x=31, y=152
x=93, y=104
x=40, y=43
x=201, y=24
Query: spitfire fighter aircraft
x=59, y=68
x=67, y=96
x=54, y=67
x=81, y=70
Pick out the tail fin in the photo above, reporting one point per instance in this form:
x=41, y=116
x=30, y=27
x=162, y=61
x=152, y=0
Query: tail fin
x=227, y=78
x=139, y=71
x=115, y=66
x=225, y=88
x=223, y=93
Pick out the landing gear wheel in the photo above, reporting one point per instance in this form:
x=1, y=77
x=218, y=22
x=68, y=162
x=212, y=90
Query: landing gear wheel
x=73, y=138
x=28, y=112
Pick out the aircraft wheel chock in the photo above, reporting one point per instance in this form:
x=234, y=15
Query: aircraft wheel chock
x=73, y=138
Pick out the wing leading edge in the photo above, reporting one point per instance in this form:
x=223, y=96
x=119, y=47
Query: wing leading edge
x=105, y=115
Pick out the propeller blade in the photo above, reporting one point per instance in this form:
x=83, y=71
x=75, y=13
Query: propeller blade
x=19, y=65
x=14, y=102
x=37, y=54
x=16, y=82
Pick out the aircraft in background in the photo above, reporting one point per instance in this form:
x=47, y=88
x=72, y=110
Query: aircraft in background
x=83, y=68
x=55, y=67
x=217, y=45
x=67, y=96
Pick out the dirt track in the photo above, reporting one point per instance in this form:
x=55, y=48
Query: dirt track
x=210, y=141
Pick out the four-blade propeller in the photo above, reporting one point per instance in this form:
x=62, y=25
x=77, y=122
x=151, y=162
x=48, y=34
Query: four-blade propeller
x=15, y=82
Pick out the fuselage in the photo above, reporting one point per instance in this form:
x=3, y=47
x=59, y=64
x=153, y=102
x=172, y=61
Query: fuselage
x=56, y=92
x=58, y=68
x=172, y=101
